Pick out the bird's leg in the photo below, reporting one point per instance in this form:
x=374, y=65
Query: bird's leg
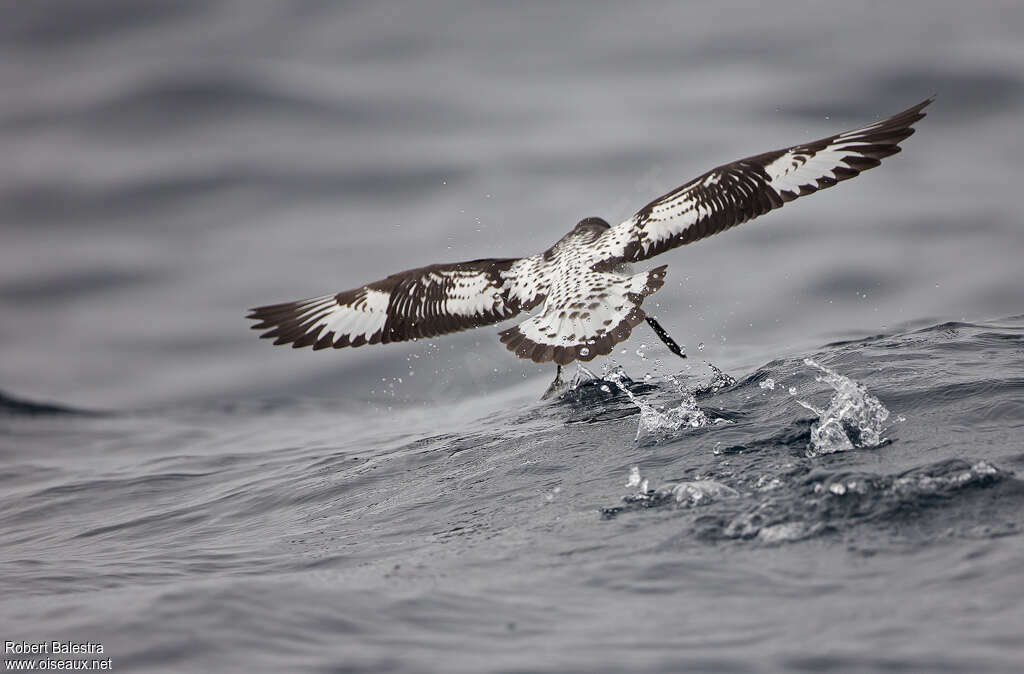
x=663, y=336
x=556, y=385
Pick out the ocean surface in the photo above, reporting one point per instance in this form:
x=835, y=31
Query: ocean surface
x=833, y=480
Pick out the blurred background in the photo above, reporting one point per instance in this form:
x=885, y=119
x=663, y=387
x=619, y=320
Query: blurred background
x=169, y=164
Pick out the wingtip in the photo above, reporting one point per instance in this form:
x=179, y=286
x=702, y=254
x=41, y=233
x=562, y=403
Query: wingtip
x=918, y=110
x=259, y=313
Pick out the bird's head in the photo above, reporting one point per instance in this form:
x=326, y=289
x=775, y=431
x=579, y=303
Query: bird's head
x=595, y=224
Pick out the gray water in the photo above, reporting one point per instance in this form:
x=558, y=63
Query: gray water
x=197, y=500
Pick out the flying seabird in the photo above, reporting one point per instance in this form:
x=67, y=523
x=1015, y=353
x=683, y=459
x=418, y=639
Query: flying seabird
x=589, y=296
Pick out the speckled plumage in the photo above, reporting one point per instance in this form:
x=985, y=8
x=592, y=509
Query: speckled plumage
x=590, y=299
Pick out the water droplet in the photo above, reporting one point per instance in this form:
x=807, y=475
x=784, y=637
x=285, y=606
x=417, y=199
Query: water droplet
x=700, y=347
x=792, y=390
x=584, y=351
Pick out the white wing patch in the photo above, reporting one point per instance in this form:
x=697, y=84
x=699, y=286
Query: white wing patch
x=324, y=321
x=364, y=318
x=469, y=294
x=798, y=172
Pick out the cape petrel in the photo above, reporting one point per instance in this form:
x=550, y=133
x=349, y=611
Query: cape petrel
x=589, y=297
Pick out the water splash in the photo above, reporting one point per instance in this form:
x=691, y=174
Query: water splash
x=719, y=381
x=691, y=493
x=768, y=384
x=635, y=481
x=660, y=422
x=947, y=476
x=853, y=419
x=700, y=492
x=785, y=509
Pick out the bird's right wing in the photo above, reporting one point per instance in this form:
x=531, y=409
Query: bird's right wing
x=413, y=304
x=734, y=193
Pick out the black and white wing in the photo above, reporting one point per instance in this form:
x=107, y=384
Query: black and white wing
x=734, y=193
x=413, y=304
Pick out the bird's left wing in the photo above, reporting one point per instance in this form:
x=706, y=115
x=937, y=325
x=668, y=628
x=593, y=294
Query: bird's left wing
x=418, y=303
x=734, y=193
